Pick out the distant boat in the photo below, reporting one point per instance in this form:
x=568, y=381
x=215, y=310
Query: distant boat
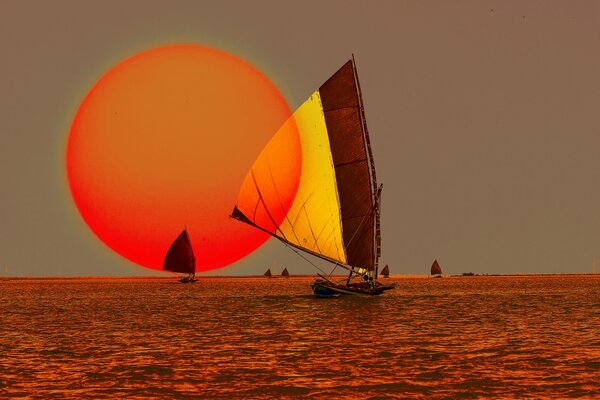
x=436, y=270
x=335, y=214
x=285, y=273
x=385, y=271
x=180, y=258
x=268, y=274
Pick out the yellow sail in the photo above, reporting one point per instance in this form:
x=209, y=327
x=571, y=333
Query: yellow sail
x=313, y=220
x=335, y=211
x=270, y=187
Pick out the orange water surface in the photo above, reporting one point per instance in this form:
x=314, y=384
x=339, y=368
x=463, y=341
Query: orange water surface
x=467, y=337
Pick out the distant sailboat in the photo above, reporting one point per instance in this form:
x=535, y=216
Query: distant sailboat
x=335, y=214
x=385, y=271
x=268, y=274
x=285, y=273
x=593, y=264
x=180, y=258
x=436, y=270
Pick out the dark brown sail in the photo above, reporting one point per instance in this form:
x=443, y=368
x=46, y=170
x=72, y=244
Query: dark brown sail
x=435, y=268
x=180, y=257
x=354, y=168
x=285, y=273
x=385, y=271
x=268, y=273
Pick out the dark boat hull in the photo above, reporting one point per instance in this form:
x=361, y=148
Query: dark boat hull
x=324, y=289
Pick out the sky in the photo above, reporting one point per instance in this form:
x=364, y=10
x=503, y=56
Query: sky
x=483, y=118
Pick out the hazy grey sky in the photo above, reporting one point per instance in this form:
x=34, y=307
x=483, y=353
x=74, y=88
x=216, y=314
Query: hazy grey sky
x=483, y=116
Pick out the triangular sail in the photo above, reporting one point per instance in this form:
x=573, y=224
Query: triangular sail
x=268, y=273
x=435, y=268
x=312, y=222
x=285, y=272
x=333, y=213
x=385, y=271
x=180, y=256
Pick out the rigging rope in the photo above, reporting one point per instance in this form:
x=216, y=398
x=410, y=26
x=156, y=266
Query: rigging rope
x=313, y=264
x=305, y=259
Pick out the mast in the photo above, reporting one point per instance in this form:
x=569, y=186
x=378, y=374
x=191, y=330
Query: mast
x=375, y=191
x=377, y=229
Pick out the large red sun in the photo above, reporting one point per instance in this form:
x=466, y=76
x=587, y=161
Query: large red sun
x=164, y=140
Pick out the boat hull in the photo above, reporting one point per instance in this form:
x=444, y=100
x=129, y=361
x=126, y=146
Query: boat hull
x=325, y=289
x=322, y=291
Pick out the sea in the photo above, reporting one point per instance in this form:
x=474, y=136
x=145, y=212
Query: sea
x=479, y=337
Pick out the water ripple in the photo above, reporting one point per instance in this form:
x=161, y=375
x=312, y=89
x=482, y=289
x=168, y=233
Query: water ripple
x=475, y=337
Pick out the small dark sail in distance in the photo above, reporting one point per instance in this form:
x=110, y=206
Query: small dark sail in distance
x=436, y=270
x=285, y=273
x=268, y=273
x=385, y=272
x=180, y=258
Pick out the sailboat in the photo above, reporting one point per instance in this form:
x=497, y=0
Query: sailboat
x=436, y=270
x=335, y=214
x=285, y=273
x=268, y=273
x=180, y=258
x=385, y=271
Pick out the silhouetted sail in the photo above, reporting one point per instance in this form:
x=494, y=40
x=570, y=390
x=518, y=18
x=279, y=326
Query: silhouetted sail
x=435, y=268
x=285, y=273
x=268, y=273
x=180, y=257
x=385, y=271
x=353, y=163
x=334, y=214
